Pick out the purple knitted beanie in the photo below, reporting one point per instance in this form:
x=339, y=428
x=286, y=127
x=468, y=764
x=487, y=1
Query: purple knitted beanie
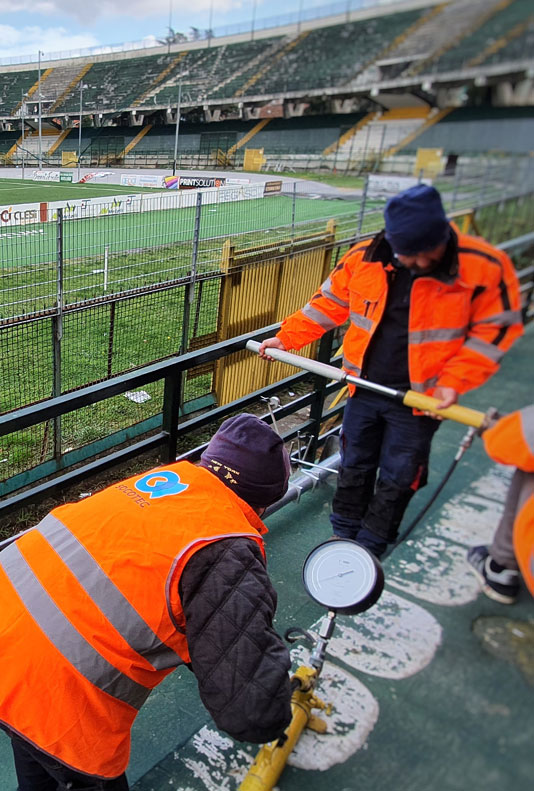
x=250, y=458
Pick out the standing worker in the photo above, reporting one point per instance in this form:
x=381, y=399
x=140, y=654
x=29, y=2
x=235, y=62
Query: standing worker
x=429, y=308
x=107, y=596
x=511, y=553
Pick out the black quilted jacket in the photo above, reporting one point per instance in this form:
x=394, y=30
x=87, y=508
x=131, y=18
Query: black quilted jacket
x=240, y=662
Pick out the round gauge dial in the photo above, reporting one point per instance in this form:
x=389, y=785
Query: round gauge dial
x=343, y=576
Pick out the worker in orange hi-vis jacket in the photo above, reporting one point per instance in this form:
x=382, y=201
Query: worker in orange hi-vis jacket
x=510, y=441
x=428, y=309
x=107, y=596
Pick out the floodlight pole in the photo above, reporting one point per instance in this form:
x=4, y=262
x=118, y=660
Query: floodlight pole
x=210, y=24
x=39, y=109
x=177, y=130
x=80, y=128
x=254, y=3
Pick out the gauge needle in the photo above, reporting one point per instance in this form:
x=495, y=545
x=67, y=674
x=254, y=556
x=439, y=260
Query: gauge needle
x=340, y=574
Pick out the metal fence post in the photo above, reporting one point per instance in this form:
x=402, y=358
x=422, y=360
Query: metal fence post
x=190, y=288
x=456, y=184
x=362, y=205
x=57, y=329
x=293, y=209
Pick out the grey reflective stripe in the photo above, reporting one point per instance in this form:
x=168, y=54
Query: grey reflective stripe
x=527, y=425
x=62, y=634
x=504, y=319
x=442, y=334
x=106, y=595
x=422, y=387
x=326, y=291
x=320, y=318
x=484, y=348
x=348, y=366
x=361, y=322
x=198, y=540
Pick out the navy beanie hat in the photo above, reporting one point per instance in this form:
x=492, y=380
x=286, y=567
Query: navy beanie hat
x=250, y=458
x=416, y=221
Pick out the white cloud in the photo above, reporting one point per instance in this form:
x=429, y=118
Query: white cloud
x=85, y=11
x=28, y=40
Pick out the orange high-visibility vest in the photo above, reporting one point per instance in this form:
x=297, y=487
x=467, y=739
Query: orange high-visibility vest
x=459, y=326
x=91, y=619
x=511, y=441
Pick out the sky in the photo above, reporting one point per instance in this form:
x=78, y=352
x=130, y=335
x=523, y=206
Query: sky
x=27, y=26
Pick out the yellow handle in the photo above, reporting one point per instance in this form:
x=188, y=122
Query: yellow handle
x=461, y=414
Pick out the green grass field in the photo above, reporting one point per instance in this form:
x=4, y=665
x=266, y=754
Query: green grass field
x=141, y=249
x=13, y=191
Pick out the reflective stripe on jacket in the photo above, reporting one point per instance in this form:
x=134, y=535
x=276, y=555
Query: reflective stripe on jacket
x=460, y=324
x=511, y=441
x=91, y=618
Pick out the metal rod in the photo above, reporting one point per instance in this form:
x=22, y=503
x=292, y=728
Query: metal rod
x=323, y=369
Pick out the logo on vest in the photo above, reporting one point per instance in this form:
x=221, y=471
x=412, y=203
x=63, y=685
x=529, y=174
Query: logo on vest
x=162, y=483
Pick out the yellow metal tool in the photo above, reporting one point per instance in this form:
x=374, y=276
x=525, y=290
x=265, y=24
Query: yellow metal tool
x=272, y=757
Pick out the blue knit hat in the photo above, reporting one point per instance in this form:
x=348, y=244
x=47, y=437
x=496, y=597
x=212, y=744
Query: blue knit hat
x=416, y=221
x=250, y=458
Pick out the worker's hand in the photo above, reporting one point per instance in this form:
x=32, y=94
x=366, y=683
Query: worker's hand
x=446, y=396
x=270, y=343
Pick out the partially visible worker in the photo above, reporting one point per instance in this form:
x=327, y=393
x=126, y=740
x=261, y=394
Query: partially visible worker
x=428, y=308
x=107, y=596
x=498, y=567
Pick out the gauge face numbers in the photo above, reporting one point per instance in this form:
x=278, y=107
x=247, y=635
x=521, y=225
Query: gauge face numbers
x=343, y=576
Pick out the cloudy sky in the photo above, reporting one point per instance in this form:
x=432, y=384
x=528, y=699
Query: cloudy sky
x=61, y=25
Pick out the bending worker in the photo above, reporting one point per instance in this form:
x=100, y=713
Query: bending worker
x=107, y=596
x=498, y=567
x=430, y=309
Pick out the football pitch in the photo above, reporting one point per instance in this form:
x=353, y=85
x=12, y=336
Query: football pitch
x=14, y=191
x=143, y=248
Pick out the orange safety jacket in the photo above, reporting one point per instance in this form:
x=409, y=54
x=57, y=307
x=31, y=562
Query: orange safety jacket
x=511, y=441
x=460, y=323
x=91, y=618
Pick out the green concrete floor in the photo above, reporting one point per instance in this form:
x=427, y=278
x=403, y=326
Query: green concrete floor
x=431, y=688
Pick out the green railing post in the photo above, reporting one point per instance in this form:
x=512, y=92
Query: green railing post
x=172, y=400
x=319, y=386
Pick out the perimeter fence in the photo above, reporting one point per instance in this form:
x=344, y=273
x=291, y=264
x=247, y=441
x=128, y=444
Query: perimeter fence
x=95, y=289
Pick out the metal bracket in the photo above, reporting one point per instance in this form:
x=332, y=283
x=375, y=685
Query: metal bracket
x=273, y=402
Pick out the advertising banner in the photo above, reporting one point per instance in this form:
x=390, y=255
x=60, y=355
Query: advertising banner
x=386, y=186
x=199, y=182
x=21, y=214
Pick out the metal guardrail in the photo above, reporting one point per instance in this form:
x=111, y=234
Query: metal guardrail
x=171, y=371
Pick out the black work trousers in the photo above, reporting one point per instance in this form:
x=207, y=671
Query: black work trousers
x=384, y=460
x=37, y=771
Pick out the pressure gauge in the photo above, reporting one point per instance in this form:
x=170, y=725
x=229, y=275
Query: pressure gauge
x=343, y=576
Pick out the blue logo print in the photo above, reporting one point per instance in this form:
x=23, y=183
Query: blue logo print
x=160, y=484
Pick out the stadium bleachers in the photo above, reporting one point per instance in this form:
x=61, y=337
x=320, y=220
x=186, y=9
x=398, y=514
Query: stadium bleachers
x=334, y=55
x=491, y=31
x=12, y=85
x=518, y=45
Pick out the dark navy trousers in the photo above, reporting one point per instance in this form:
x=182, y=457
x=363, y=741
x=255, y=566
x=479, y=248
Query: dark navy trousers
x=384, y=460
x=37, y=771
